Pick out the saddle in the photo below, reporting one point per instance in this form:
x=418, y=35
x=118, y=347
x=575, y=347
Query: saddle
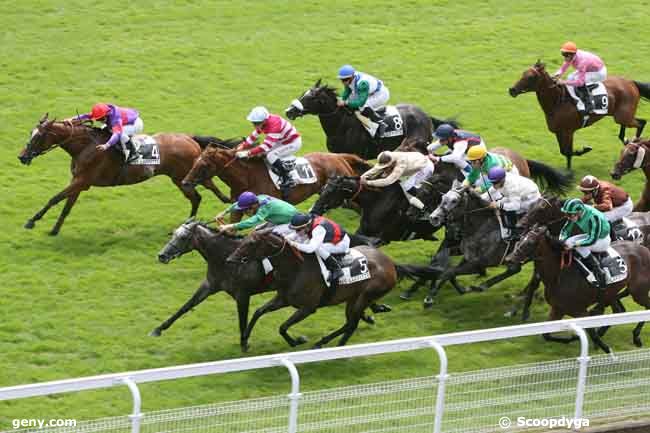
x=391, y=120
x=146, y=150
x=612, y=264
x=299, y=169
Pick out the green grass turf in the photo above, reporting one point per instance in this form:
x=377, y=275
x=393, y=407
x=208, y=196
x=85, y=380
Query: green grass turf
x=83, y=303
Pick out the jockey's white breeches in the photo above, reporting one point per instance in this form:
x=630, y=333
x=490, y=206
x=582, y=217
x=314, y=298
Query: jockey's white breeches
x=129, y=131
x=327, y=249
x=591, y=77
x=620, y=212
x=600, y=246
x=377, y=100
x=283, y=150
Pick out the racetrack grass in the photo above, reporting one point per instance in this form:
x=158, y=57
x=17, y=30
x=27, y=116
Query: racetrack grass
x=83, y=303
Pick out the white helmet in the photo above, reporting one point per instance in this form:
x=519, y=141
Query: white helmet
x=258, y=114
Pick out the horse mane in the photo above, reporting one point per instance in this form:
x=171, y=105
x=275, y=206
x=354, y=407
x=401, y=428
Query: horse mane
x=326, y=88
x=216, y=232
x=211, y=141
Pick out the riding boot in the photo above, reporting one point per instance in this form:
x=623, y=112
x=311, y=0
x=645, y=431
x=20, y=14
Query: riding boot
x=336, y=272
x=510, y=223
x=133, y=153
x=594, y=265
x=285, y=178
x=374, y=117
x=586, y=98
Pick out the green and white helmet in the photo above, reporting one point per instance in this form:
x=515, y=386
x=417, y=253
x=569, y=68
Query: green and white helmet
x=573, y=206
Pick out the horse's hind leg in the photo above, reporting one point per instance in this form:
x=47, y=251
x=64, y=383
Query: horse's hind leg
x=510, y=271
x=593, y=333
x=199, y=296
x=621, y=134
x=215, y=189
x=296, y=317
x=192, y=195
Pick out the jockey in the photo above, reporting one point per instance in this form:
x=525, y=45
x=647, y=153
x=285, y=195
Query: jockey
x=589, y=69
x=482, y=161
x=513, y=194
x=260, y=209
x=409, y=168
x=124, y=123
x=325, y=238
x=611, y=200
x=282, y=140
x=594, y=236
x=364, y=93
x=458, y=142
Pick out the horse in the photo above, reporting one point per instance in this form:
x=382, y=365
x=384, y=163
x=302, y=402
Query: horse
x=567, y=291
x=300, y=284
x=93, y=168
x=635, y=155
x=217, y=159
x=346, y=134
x=239, y=280
x=562, y=117
x=383, y=211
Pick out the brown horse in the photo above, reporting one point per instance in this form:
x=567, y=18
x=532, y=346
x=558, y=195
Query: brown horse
x=241, y=175
x=93, y=168
x=562, y=117
x=567, y=291
x=627, y=162
x=301, y=284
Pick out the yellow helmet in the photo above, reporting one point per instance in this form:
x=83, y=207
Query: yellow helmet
x=476, y=152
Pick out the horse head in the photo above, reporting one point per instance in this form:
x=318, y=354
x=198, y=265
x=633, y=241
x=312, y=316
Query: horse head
x=530, y=80
x=43, y=138
x=319, y=99
x=180, y=243
x=526, y=246
x=208, y=164
x=336, y=191
x=632, y=156
x=450, y=201
x=258, y=245
x=546, y=210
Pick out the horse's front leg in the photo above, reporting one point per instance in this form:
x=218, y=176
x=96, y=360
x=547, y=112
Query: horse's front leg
x=243, y=303
x=639, y=129
x=215, y=189
x=74, y=187
x=527, y=294
x=464, y=267
x=510, y=271
x=274, y=304
x=296, y=317
x=72, y=199
x=204, y=290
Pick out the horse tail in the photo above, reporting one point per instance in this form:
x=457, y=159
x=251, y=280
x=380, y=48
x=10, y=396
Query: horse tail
x=437, y=122
x=644, y=89
x=426, y=272
x=555, y=180
x=208, y=140
x=358, y=164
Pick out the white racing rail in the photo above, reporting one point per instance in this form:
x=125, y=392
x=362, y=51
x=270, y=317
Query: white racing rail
x=291, y=359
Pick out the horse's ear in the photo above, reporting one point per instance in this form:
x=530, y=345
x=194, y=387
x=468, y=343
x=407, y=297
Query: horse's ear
x=318, y=83
x=44, y=118
x=190, y=220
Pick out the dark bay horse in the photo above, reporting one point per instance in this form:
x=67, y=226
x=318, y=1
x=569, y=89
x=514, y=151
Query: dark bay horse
x=344, y=132
x=562, y=117
x=567, y=291
x=383, y=211
x=93, y=168
x=635, y=155
x=300, y=284
x=252, y=174
x=239, y=280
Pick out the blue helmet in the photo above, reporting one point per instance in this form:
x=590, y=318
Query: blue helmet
x=496, y=174
x=346, y=71
x=444, y=131
x=300, y=220
x=245, y=200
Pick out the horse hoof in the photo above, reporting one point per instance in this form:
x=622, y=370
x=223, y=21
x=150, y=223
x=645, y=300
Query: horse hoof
x=316, y=347
x=637, y=342
x=29, y=224
x=381, y=308
x=369, y=320
x=587, y=149
x=428, y=302
x=155, y=333
x=477, y=289
x=53, y=232
x=406, y=295
x=510, y=314
x=244, y=347
x=301, y=340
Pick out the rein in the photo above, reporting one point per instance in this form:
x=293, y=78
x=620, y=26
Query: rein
x=293, y=249
x=566, y=258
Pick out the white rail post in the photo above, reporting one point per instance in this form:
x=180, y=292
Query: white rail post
x=136, y=416
x=294, y=396
x=442, y=378
x=583, y=360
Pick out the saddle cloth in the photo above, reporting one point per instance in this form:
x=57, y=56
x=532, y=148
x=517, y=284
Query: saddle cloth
x=299, y=168
x=612, y=264
x=354, y=265
x=626, y=230
x=147, y=150
x=598, y=93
